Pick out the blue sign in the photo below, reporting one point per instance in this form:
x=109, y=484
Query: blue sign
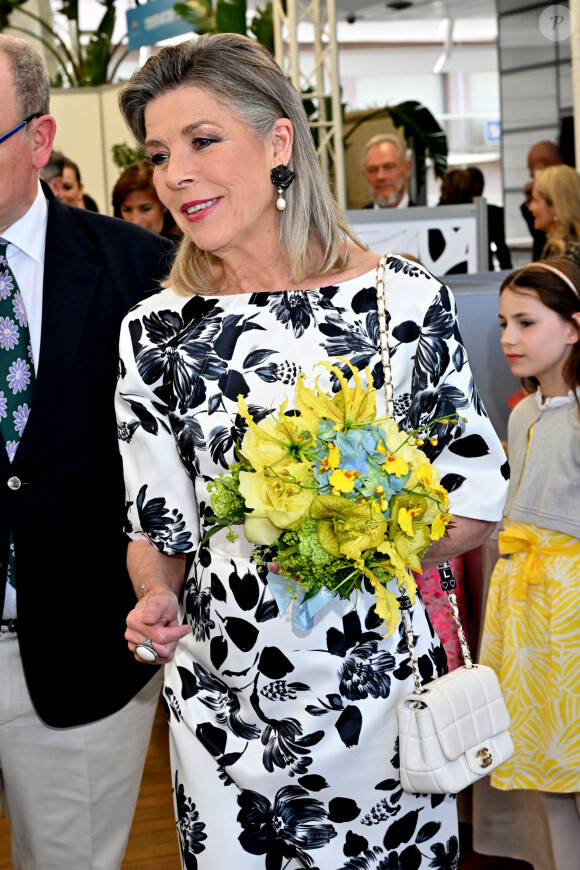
x=493, y=131
x=152, y=22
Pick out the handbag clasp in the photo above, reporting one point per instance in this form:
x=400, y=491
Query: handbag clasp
x=485, y=757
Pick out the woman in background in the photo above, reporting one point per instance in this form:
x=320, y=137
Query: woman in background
x=455, y=187
x=72, y=191
x=555, y=205
x=135, y=199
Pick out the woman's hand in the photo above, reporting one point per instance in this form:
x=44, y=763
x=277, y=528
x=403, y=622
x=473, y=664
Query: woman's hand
x=157, y=580
x=465, y=534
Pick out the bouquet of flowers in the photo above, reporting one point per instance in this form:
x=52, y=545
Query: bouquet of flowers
x=334, y=494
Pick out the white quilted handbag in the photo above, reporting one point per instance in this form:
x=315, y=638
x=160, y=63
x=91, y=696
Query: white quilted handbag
x=453, y=730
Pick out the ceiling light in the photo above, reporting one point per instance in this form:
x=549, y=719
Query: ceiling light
x=398, y=5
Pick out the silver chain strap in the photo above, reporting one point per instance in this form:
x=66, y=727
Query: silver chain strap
x=444, y=567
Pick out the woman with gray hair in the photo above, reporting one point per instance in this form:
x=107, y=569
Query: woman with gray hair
x=284, y=747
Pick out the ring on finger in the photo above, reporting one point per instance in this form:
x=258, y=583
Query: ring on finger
x=146, y=652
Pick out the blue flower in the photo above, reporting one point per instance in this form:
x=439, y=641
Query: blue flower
x=19, y=309
x=8, y=333
x=6, y=285
x=19, y=376
x=356, y=440
x=3, y=404
x=21, y=418
x=11, y=449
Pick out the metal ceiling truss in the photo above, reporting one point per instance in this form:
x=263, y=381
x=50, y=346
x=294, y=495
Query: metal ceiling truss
x=321, y=83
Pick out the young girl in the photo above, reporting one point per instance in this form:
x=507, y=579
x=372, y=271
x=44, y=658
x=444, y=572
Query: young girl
x=531, y=635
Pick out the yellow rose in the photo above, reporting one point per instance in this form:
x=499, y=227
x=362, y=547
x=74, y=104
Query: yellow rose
x=259, y=530
x=282, y=497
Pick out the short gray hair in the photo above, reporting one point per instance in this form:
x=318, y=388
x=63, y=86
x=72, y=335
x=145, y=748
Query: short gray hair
x=54, y=167
x=242, y=76
x=393, y=138
x=30, y=75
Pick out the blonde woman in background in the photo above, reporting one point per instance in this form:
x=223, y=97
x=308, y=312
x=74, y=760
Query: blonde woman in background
x=555, y=205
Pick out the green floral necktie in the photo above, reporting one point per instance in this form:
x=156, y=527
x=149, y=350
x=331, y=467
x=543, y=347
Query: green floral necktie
x=16, y=368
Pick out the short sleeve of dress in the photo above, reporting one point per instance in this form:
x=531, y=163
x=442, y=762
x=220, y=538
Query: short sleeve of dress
x=160, y=496
x=468, y=454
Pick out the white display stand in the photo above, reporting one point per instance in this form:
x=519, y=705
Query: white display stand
x=447, y=239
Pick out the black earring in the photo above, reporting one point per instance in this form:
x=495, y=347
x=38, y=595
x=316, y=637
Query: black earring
x=281, y=177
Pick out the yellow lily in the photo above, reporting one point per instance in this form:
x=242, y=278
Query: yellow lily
x=275, y=438
x=350, y=406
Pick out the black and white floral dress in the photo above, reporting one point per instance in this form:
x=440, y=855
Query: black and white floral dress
x=284, y=742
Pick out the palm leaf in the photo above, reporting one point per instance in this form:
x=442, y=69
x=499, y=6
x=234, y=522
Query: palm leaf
x=70, y=9
x=262, y=27
x=424, y=134
x=198, y=14
x=98, y=53
x=231, y=16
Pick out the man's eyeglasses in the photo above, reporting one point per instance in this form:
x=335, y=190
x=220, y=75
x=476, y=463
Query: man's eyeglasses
x=19, y=127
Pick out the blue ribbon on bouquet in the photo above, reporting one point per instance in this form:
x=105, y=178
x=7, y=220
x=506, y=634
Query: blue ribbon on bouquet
x=286, y=593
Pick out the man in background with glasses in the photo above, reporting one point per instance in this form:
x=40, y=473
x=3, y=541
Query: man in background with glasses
x=75, y=708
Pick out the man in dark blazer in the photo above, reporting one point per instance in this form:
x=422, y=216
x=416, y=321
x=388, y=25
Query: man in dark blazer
x=76, y=709
x=386, y=167
x=495, y=224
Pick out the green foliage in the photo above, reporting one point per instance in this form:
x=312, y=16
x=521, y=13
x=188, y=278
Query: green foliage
x=228, y=16
x=7, y=7
x=199, y=14
x=227, y=504
x=79, y=64
x=124, y=155
x=262, y=27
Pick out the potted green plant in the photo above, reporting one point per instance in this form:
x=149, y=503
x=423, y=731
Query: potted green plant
x=88, y=58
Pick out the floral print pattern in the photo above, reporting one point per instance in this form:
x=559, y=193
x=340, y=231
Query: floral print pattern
x=284, y=743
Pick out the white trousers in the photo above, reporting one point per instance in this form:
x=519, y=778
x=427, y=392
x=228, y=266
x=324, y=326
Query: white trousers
x=70, y=793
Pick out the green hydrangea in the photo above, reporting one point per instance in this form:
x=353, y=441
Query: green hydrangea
x=299, y=554
x=227, y=504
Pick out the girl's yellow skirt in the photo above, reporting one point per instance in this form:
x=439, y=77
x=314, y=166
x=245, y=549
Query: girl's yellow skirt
x=531, y=638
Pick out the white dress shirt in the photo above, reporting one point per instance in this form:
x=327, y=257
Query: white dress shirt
x=25, y=252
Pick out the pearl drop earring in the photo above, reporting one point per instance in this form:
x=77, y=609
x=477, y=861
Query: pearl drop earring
x=281, y=177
